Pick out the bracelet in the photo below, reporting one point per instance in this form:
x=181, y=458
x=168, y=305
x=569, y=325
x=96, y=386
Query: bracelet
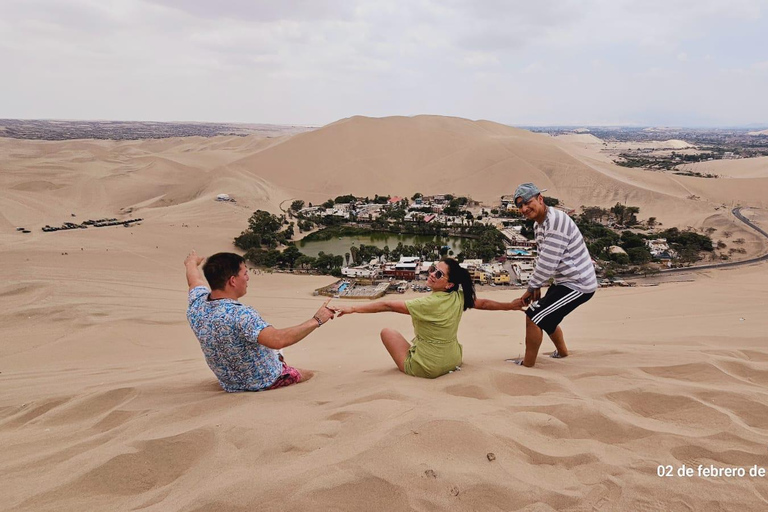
x=319, y=322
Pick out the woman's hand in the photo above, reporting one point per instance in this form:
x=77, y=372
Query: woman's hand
x=343, y=310
x=518, y=304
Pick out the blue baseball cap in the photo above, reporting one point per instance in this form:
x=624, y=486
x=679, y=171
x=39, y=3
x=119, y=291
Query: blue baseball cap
x=526, y=191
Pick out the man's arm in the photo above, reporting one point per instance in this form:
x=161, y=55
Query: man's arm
x=395, y=306
x=492, y=305
x=274, y=338
x=194, y=279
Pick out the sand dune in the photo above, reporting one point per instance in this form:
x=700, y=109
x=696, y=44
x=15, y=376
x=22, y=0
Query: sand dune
x=119, y=411
x=741, y=168
x=107, y=403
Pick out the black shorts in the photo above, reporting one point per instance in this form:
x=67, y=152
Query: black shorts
x=550, y=310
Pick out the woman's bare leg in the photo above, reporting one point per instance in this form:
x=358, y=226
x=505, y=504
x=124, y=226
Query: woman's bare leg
x=397, y=346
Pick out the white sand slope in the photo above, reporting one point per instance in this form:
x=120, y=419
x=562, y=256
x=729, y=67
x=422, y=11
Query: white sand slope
x=741, y=168
x=107, y=403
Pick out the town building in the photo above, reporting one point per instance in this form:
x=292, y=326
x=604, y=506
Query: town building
x=362, y=272
x=660, y=249
x=523, y=271
x=502, y=278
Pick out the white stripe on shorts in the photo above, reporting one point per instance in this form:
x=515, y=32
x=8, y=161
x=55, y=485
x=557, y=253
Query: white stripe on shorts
x=552, y=307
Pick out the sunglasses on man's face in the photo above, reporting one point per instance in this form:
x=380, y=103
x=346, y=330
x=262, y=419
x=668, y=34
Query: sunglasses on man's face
x=522, y=203
x=436, y=272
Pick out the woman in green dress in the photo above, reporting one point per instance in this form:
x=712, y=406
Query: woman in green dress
x=435, y=350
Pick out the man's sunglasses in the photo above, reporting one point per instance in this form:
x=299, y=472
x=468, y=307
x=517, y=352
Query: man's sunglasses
x=436, y=272
x=521, y=203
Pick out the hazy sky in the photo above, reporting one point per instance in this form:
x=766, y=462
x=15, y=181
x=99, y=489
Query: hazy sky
x=599, y=62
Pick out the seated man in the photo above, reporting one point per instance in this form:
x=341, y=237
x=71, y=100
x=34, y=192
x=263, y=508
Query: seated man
x=239, y=346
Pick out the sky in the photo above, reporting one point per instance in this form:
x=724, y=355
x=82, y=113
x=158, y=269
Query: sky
x=312, y=62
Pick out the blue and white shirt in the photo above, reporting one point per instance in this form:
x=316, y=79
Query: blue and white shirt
x=228, y=332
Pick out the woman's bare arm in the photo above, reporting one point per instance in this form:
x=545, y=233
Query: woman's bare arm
x=395, y=306
x=493, y=305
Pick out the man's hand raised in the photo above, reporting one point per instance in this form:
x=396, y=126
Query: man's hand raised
x=192, y=257
x=325, y=313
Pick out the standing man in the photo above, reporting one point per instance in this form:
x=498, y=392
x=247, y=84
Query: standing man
x=562, y=255
x=239, y=346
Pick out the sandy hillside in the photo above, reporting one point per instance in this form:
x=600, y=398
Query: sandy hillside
x=45, y=182
x=430, y=154
x=107, y=403
x=741, y=168
x=434, y=155
x=363, y=156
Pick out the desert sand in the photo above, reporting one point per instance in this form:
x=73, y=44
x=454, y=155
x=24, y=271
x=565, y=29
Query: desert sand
x=107, y=403
x=741, y=168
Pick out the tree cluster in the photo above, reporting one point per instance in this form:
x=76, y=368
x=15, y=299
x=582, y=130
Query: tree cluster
x=264, y=229
x=687, y=244
x=262, y=238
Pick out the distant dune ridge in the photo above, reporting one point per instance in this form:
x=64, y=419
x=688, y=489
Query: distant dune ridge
x=362, y=156
x=107, y=403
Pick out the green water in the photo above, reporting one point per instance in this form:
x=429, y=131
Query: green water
x=339, y=246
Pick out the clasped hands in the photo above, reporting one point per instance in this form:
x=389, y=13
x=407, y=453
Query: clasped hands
x=325, y=313
x=526, y=299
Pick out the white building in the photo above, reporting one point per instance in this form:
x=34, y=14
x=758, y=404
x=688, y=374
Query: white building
x=363, y=271
x=523, y=271
x=660, y=248
x=478, y=263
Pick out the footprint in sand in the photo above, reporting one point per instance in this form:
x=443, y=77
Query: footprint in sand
x=115, y=419
x=693, y=372
x=90, y=406
x=356, y=492
x=539, y=458
x=29, y=412
x=692, y=455
x=383, y=395
x=587, y=422
x=752, y=410
x=523, y=385
x=755, y=355
x=755, y=373
x=155, y=463
x=679, y=410
x=468, y=390
x=603, y=496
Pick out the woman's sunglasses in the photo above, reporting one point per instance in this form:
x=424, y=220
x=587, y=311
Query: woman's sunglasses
x=436, y=272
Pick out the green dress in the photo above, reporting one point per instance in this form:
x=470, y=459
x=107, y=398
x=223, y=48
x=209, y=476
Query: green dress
x=435, y=350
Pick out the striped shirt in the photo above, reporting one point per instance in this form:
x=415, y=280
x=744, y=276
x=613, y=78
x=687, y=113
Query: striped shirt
x=562, y=254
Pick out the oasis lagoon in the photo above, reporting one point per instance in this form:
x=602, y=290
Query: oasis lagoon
x=340, y=245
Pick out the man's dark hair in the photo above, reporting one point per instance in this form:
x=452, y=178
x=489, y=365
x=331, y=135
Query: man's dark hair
x=220, y=267
x=459, y=276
